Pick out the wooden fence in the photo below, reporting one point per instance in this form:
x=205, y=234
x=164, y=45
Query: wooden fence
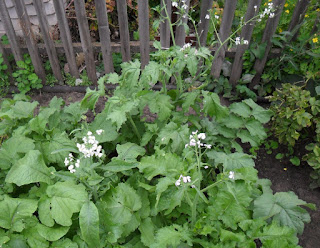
x=127, y=47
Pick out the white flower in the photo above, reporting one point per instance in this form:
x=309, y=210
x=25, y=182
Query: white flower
x=178, y=182
x=186, y=179
x=216, y=16
x=201, y=136
x=194, y=133
x=245, y=42
x=174, y=4
x=207, y=17
x=208, y=146
x=185, y=46
x=184, y=6
x=100, y=131
x=77, y=164
x=193, y=186
x=78, y=82
x=238, y=41
x=231, y=175
x=89, y=133
x=255, y=7
x=66, y=162
x=206, y=167
x=271, y=15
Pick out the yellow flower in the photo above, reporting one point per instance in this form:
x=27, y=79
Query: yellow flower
x=284, y=169
x=287, y=11
x=306, y=16
x=269, y=0
x=280, y=30
x=318, y=9
x=265, y=4
x=291, y=49
x=315, y=40
x=286, y=5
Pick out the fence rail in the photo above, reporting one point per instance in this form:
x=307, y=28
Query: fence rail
x=126, y=47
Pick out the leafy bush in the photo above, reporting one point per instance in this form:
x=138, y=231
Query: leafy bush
x=140, y=174
x=297, y=117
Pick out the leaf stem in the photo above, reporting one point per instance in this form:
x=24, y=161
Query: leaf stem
x=135, y=129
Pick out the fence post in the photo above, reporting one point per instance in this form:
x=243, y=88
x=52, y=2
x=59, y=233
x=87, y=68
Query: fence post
x=51, y=50
x=66, y=37
x=85, y=39
x=206, y=6
x=246, y=33
x=104, y=33
x=5, y=18
x=180, y=34
x=164, y=25
x=228, y=15
x=30, y=39
x=143, y=15
x=269, y=31
x=124, y=30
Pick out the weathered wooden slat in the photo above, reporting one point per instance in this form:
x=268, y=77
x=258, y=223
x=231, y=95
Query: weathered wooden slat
x=164, y=25
x=65, y=36
x=5, y=18
x=6, y=62
x=269, y=31
x=30, y=39
x=206, y=6
x=225, y=28
x=51, y=50
x=143, y=15
x=124, y=30
x=298, y=16
x=180, y=34
x=85, y=39
x=104, y=33
x=246, y=33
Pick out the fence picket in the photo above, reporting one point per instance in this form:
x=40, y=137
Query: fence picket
x=206, y=6
x=180, y=34
x=225, y=27
x=104, y=33
x=164, y=25
x=269, y=31
x=85, y=39
x=65, y=36
x=30, y=39
x=298, y=16
x=143, y=14
x=51, y=50
x=124, y=30
x=246, y=33
x=5, y=18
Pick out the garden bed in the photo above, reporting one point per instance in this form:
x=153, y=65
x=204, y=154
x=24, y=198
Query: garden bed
x=283, y=175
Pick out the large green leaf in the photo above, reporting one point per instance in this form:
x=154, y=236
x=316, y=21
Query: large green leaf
x=129, y=152
x=212, y=106
x=176, y=136
x=38, y=124
x=121, y=203
x=147, y=232
x=172, y=236
x=14, y=212
x=52, y=233
x=258, y=112
x=241, y=109
x=231, y=161
x=44, y=211
x=35, y=240
x=168, y=165
x=89, y=224
x=13, y=149
x=109, y=130
x=20, y=110
x=30, y=169
x=283, y=207
x=66, y=198
x=256, y=129
x=231, y=203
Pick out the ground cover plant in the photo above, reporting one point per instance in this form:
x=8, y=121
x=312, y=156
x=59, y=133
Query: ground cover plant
x=143, y=173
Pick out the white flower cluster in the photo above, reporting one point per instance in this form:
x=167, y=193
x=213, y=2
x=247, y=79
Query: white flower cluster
x=239, y=40
x=185, y=46
x=195, y=140
x=267, y=11
x=90, y=146
x=68, y=162
x=185, y=179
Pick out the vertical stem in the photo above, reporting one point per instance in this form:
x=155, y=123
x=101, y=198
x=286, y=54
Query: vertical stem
x=170, y=24
x=135, y=129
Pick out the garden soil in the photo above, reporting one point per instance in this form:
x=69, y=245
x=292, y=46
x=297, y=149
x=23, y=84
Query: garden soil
x=284, y=176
